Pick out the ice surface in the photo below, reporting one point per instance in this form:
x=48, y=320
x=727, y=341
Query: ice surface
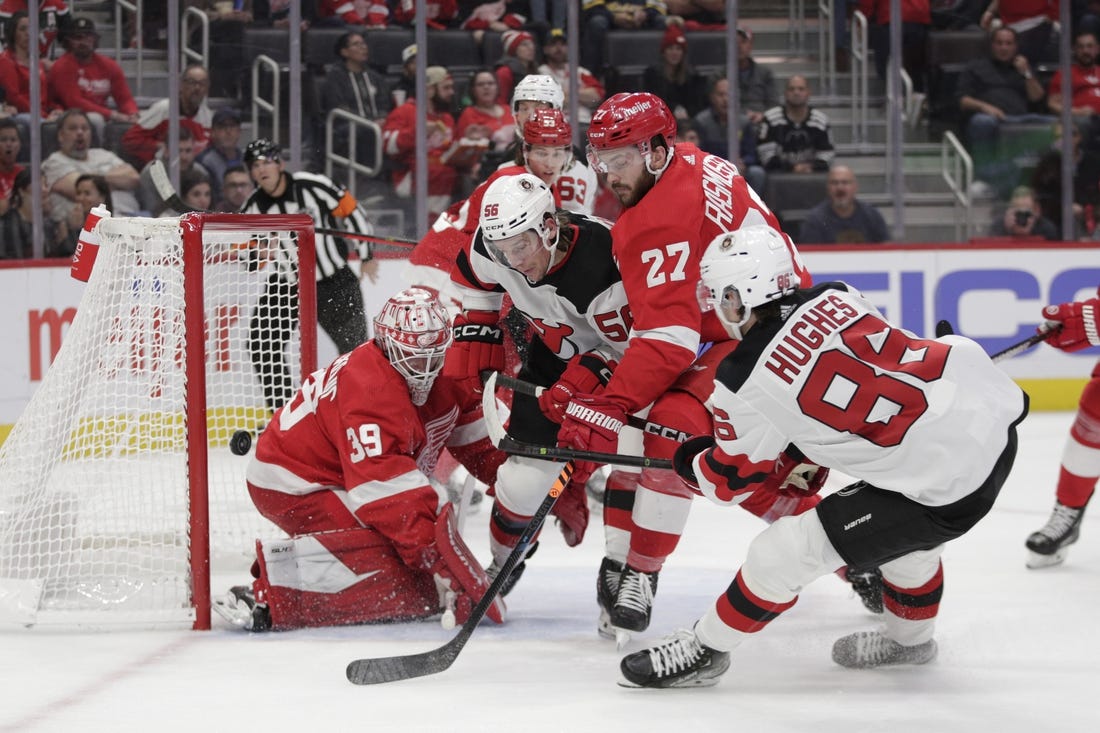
x=1019, y=650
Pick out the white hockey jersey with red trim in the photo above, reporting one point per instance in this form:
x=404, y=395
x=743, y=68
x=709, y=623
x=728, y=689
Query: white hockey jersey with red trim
x=927, y=418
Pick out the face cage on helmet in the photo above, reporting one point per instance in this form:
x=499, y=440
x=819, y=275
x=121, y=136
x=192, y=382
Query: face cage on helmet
x=419, y=366
x=732, y=327
x=542, y=236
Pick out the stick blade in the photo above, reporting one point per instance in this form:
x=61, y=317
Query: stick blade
x=393, y=669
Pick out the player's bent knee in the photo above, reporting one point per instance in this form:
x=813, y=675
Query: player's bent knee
x=522, y=483
x=914, y=569
x=788, y=555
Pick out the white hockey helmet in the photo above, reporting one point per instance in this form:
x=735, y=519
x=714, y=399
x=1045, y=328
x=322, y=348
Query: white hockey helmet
x=538, y=88
x=756, y=263
x=414, y=331
x=511, y=206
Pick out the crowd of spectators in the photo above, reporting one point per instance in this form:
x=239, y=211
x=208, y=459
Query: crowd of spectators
x=470, y=121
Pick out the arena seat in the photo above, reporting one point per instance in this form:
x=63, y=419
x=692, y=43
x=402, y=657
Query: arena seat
x=790, y=195
x=273, y=42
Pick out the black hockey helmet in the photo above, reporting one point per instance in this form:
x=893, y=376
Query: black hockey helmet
x=261, y=149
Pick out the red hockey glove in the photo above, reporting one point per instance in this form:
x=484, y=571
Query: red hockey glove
x=478, y=345
x=1078, y=324
x=684, y=457
x=585, y=374
x=592, y=423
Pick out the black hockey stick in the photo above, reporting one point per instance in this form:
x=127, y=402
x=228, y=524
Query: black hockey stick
x=505, y=442
x=171, y=199
x=533, y=390
x=1024, y=345
x=391, y=669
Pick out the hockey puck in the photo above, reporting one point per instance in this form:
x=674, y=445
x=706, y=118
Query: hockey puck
x=240, y=443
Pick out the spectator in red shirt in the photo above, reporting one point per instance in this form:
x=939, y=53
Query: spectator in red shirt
x=517, y=62
x=1084, y=80
x=15, y=72
x=53, y=15
x=9, y=153
x=87, y=80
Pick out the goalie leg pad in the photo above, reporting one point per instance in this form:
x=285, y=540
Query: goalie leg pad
x=336, y=578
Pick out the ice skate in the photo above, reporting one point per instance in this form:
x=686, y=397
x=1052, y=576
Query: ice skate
x=634, y=601
x=681, y=660
x=866, y=649
x=607, y=587
x=517, y=572
x=868, y=586
x=1049, y=545
x=238, y=606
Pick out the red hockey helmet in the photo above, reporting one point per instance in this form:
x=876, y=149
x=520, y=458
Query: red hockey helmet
x=631, y=118
x=548, y=127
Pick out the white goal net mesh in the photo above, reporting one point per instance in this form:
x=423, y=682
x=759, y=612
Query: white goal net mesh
x=96, y=523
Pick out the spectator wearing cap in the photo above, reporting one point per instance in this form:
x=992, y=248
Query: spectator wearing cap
x=600, y=16
x=141, y=142
x=755, y=82
x=673, y=79
x=405, y=86
x=517, y=61
x=83, y=78
x=400, y=142
x=224, y=149
x=555, y=63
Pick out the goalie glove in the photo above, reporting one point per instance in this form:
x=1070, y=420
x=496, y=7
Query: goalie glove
x=459, y=577
x=585, y=373
x=1072, y=326
x=478, y=345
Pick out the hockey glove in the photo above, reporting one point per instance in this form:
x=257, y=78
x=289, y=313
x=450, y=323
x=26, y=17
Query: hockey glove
x=1077, y=322
x=795, y=476
x=592, y=423
x=585, y=374
x=478, y=345
x=684, y=458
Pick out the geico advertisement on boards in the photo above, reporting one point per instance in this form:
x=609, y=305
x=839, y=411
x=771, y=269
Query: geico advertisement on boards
x=993, y=295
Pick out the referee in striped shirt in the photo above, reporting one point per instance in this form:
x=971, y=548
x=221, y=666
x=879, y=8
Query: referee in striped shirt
x=339, y=298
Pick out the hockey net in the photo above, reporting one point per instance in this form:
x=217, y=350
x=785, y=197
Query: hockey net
x=117, y=484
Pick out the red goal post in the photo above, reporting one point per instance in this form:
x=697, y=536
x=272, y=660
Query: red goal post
x=118, y=489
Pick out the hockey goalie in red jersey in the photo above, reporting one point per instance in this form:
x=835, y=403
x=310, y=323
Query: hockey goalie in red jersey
x=1072, y=327
x=676, y=199
x=822, y=373
x=342, y=469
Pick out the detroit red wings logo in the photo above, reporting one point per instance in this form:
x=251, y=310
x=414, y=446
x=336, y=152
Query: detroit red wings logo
x=554, y=335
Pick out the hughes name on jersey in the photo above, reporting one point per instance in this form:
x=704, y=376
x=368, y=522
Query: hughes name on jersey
x=927, y=418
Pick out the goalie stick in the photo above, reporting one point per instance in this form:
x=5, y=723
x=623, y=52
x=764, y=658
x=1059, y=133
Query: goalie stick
x=171, y=198
x=506, y=443
x=391, y=669
x=533, y=390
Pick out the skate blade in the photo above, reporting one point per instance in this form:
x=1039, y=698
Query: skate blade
x=622, y=638
x=1035, y=561
x=604, y=627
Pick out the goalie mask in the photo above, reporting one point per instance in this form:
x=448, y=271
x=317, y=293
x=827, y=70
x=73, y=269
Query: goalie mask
x=414, y=331
x=518, y=225
x=752, y=263
x=548, y=144
x=630, y=119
